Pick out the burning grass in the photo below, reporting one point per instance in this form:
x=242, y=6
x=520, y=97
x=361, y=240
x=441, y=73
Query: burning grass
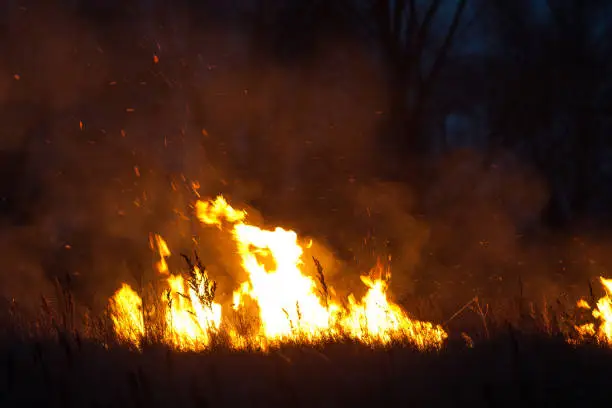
x=288, y=338
x=601, y=329
x=279, y=302
x=505, y=359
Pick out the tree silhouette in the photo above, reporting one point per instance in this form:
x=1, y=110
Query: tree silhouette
x=415, y=40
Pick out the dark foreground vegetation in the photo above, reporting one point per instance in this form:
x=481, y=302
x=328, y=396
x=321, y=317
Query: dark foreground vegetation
x=499, y=353
x=510, y=370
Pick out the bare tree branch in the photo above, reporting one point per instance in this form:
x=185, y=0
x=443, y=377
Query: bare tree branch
x=413, y=21
x=423, y=31
x=398, y=20
x=446, y=45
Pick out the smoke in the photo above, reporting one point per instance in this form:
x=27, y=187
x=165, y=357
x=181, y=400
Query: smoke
x=478, y=208
x=105, y=130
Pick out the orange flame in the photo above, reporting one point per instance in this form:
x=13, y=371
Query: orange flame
x=126, y=313
x=188, y=317
x=290, y=307
x=602, y=312
x=189, y=322
x=156, y=241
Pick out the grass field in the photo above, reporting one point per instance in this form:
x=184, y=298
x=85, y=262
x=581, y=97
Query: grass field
x=516, y=354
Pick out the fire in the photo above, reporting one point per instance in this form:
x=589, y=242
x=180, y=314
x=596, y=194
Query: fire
x=190, y=316
x=287, y=299
x=289, y=305
x=189, y=320
x=380, y=321
x=214, y=212
x=602, y=312
x=163, y=250
x=126, y=313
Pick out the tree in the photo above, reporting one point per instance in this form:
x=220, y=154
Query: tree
x=415, y=38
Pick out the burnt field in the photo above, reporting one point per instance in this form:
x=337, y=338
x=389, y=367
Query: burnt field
x=509, y=370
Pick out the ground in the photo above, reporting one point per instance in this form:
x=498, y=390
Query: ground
x=510, y=370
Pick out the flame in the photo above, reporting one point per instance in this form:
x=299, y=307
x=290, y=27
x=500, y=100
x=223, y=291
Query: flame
x=289, y=305
x=583, y=304
x=156, y=241
x=287, y=300
x=190, y=316
x=213, y=212
x=380, y=321
x=126, y=313
x=189, y=322
x=602, y=312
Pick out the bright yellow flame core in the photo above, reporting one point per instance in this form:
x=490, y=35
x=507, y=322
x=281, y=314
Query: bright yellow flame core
x=189, y=323
x=213, y=212
x=290, y=305
x=126, y=313
x=287, y=299
x=602, y=313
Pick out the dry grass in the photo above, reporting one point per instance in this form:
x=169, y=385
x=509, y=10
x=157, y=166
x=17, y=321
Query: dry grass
x=501, y=352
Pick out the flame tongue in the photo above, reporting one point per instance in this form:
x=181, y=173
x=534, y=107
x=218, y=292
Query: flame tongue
x=126, y=314
x=290, y=307
x=287, y=299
